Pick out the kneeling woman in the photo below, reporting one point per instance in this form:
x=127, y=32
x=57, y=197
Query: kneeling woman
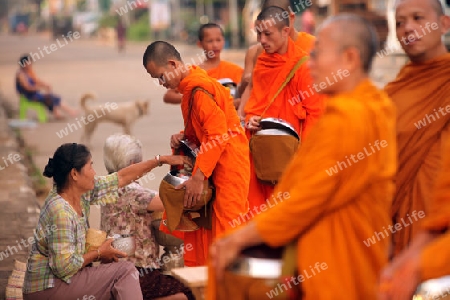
x=57, y=267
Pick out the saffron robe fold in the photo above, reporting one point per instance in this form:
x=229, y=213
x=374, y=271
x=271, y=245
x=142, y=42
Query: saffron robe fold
x=421, y=93
x=297, y=103
x=305, y=41
x=435, y=258
x=331, y=215
x=223, y=155
x=227, y=70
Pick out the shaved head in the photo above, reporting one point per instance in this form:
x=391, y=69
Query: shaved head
x=160, y=52
x=354, y=31
x=435, y=4
x=274, y=13
x=284, y=4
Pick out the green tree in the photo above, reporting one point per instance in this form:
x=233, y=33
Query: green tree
x=105, y=5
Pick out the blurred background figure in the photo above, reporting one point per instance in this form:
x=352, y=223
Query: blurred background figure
x=121, y=35
x=30, y=86
x=308, y=22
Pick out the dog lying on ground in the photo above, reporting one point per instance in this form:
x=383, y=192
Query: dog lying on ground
x=123, y=114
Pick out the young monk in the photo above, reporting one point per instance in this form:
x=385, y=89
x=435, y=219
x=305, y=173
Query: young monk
x=328, y=215
x=298, y=103
x=211, y=39
x=421, y=93
x=302, y=39
x=214, y=124
x=427, y=257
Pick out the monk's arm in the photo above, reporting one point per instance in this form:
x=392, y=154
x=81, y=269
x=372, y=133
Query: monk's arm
x=248, y=69
x=244, y=99
x=313, y=186
x=438, y=220
x=214, y=126
x=438, y=215
x=172, y=97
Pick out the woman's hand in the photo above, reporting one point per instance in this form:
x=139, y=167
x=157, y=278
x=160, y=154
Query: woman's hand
x=175, y=140
x=253, y=123
x=108, y=253
x=176, y=160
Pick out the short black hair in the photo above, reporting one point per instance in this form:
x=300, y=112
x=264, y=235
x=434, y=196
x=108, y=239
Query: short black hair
x=24, y=59
x=201, y=30
x=66, y=157
x=160, y=52
x=284, y=4
x=270, y=13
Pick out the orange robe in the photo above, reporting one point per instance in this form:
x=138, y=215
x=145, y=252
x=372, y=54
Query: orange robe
x=224, y=156
x=421, y=93
x=435, y=258
x=332, y=214
x=298, y=103
x=305, y=41
x=227, y=70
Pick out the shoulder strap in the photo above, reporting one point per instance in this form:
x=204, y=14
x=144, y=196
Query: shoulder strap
x=191, y=103
x=288, y=78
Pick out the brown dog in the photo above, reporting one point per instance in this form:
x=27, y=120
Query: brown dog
x=123, y=114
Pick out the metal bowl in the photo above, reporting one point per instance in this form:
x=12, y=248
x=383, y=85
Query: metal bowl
x=227, y=81
x=230, y=84
x=280, y=124
x=164, y=239
x=125, y=243
x=173, y=179
x=260, y=261
x=271, y=132
x=433, y=289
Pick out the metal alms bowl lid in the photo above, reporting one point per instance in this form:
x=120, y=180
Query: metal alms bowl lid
x=226, y=81
x=280, y=124
x=189, y=148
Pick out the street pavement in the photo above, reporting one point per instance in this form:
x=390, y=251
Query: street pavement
x=76, y=67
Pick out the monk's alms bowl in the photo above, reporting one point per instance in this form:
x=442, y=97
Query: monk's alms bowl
x=174, y=179
x=438, y=288
x=278, y=124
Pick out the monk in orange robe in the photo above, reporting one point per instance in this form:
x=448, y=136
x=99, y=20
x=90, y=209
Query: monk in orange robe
x=298, y=103
x=211, y=39
x=421, y=93
x=302, y=39
x=330, y=215
x=427, y=257
x=224, y=152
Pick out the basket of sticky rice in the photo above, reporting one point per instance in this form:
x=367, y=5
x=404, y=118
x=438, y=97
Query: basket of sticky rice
x=94, y=239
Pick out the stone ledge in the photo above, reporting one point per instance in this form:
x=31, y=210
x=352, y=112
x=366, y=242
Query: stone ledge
x=20, y=208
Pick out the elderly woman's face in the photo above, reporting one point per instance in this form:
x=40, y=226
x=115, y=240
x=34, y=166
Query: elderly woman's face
x=87, y=176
